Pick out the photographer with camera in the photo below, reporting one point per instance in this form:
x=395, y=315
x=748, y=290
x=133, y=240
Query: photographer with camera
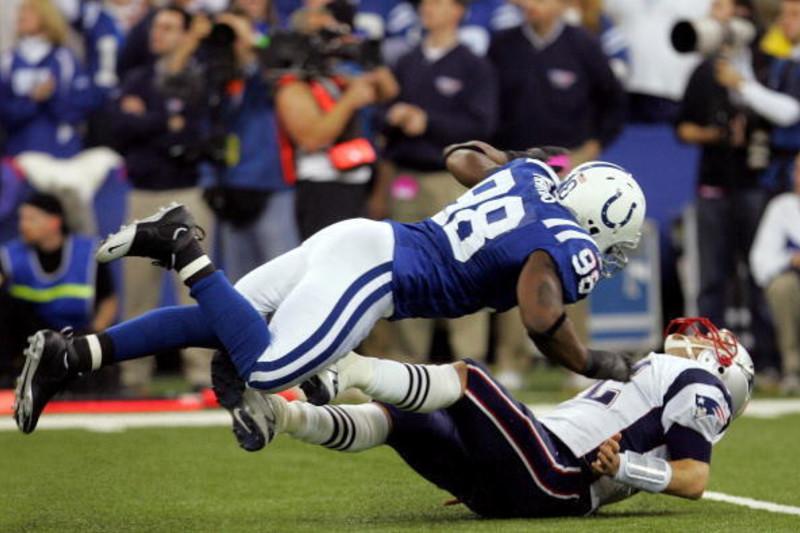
x=778, y=101
x=731, y=136
x=249, y=192
x=151, y=125
x=323, y=114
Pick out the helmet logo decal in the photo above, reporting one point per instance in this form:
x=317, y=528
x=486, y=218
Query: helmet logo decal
x=604, y=213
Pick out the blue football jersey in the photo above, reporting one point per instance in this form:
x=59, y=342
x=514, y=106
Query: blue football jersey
x=469, y=256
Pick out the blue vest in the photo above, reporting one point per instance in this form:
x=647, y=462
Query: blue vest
x=469, y=256
x=64, y=297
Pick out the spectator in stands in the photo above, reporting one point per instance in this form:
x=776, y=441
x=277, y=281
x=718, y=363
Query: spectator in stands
x=778, y=101
x=322, y=115
x=157, y=130
x=49, y=279
x=775, y=260
x=482, y=19
x=101, y=39
x=253, y=201
x=589, y=14
x=447, y=95
x=136, y=51
x=729, y=199
x=44, y=94
x=556, y=86
x=658, y=74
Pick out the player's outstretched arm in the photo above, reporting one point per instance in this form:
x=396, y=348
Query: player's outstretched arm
x=541, y=307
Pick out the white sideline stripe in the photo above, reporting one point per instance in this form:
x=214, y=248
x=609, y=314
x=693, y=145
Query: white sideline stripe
x=107, y=422
x=751, y=503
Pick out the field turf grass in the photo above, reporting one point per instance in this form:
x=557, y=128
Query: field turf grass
x=196, y=479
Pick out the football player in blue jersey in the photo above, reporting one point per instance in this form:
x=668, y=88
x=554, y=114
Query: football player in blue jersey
x=519, y=236
x=654, y=433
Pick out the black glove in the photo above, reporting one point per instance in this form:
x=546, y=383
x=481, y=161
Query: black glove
x=608, y=365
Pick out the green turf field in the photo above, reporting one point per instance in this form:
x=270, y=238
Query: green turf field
x=196, y=479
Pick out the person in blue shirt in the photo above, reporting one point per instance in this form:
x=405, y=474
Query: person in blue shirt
x=517, y=237
x=44, y=93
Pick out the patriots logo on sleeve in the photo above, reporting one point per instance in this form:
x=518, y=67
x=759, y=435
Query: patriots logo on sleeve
x=705, y=406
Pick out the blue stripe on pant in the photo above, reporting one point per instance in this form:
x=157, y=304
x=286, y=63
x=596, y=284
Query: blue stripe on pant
x=492, y=453
x=335, y=348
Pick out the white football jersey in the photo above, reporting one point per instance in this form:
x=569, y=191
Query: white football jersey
x=665, y=392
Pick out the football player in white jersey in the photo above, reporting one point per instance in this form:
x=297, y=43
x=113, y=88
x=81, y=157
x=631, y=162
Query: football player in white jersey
x=653, y=433
x=518, y=236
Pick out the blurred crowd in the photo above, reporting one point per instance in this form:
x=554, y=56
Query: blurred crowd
x=272, y=119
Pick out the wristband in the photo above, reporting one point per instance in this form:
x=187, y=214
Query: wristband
x=547, y=335
x=464, y=147
x=643, y=472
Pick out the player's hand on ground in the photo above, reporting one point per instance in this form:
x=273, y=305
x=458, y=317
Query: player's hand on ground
x=607, y=462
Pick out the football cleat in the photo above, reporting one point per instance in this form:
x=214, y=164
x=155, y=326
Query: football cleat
x=159, y=237
x=322, y=388
x=46, y=372
x=253, y=423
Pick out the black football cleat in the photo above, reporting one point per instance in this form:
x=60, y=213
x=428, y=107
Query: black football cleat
x=322, y=388
x=46, y=372
x=253, y=422
x=159, y=237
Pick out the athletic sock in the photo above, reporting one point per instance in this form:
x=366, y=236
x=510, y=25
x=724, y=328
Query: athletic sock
x=238, y=326
x=160, y=330
x=419, y=388
x=346, y=428
x=92, y=352
x=192, y=264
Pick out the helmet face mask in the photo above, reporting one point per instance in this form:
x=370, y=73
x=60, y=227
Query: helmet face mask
x=608, y=203
x=718, y=351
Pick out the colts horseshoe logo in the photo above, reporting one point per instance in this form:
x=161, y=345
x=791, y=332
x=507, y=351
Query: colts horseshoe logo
x=607, y=206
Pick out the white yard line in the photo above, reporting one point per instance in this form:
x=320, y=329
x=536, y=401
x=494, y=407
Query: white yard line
x=108, y=423
x=751, y=503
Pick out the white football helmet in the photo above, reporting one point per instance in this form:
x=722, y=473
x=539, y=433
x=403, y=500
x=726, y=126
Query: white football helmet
x=717, y=350
x=609, y=204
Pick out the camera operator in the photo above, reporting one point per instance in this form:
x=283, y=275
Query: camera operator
x=778, y=102
x=151, y=123
x=324, y=117
x=253, y=201
x=729, y=198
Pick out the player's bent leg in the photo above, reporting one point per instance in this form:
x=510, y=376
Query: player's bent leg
x=410, y=387
x=527, y=466
x=266, y=286
x=345, y=428
x=345, y=290
x=171, y=238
